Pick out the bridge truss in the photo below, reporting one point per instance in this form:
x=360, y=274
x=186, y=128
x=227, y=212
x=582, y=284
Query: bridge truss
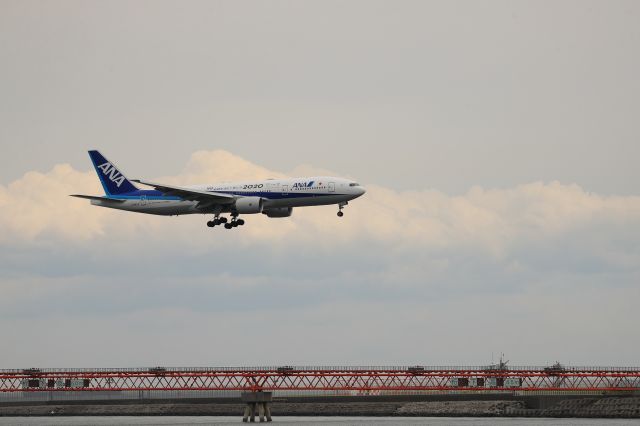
x=356, y=379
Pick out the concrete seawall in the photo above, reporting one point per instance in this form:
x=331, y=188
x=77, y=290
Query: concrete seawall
x=427, y=406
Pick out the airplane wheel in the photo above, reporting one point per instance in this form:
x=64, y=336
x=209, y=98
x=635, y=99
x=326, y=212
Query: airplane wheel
x=240, y=222
x=211, y=224
x=223, y=220
x=228, y=226
x=234, y=223
x=340, y=214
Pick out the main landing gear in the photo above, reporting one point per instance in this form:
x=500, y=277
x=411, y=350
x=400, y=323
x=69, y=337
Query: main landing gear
x=340, y=207
x=216, y=221
x=234, y=222
x=223, y=221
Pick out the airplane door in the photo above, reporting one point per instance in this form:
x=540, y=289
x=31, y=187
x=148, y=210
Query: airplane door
x=332, y=187
x=285, y=189
x=143, y=200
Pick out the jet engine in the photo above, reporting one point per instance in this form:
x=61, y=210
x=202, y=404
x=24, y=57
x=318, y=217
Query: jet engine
x=248, y=205
x=278, y=212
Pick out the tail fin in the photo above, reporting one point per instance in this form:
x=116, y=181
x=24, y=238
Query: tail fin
x=113, y=181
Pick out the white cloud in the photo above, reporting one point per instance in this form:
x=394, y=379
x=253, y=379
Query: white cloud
x=514, y=270
x=37, y=207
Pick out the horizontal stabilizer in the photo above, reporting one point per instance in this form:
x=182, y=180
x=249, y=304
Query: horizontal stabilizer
x=93, y=197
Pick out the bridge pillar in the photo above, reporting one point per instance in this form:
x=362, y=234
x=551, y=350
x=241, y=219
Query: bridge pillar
x=257, y=402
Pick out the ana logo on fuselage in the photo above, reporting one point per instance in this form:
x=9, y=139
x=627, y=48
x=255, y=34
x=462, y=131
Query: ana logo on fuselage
x=301, y=185
x=112, y=173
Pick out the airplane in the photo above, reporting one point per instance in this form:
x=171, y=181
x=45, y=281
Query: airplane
x=271, y=197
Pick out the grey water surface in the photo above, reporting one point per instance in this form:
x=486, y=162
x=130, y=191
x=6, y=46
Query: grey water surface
x=316, y=421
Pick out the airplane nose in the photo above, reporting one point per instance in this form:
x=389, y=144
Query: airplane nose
x=361, y=191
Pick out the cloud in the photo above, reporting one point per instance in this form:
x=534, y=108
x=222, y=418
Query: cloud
x=221, y=166
x=405, y=277
x=37, y=208
x=585, y=329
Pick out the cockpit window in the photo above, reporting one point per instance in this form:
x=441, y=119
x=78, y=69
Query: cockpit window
x=354, y=184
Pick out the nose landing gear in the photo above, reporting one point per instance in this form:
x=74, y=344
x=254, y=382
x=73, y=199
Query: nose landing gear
x=340, y=207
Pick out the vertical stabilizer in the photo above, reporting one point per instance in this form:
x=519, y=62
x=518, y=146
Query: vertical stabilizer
x=113, y=181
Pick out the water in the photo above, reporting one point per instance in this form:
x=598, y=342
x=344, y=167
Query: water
x=315, y=421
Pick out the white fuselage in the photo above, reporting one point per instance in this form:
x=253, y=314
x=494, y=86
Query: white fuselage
x=273, y=194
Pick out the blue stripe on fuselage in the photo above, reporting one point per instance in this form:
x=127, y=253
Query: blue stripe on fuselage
x=278, y=195
x=157, y=195
x=149, y=194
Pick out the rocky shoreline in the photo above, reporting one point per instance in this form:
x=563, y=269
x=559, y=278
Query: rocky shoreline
x=613, y=407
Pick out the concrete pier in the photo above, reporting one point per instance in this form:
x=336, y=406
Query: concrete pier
x=257, y=402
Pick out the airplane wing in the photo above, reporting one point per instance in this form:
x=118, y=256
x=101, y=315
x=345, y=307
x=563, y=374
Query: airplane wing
x=205, y=198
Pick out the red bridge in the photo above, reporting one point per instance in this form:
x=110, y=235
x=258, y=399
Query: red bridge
x=356, y=379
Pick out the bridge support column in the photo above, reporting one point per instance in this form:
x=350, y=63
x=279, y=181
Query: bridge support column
x=257, y=402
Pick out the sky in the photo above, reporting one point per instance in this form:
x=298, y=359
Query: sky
x=498, y=142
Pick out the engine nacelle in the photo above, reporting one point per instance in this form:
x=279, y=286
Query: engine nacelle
x=279, y=212
x=248, y=205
